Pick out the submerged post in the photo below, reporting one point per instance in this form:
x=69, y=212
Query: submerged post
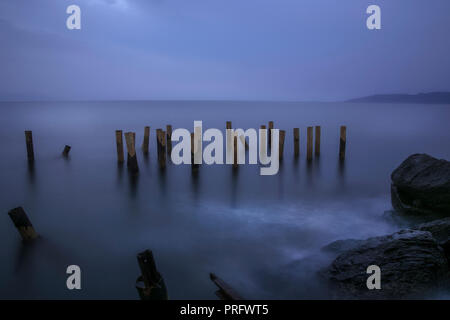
x=132, y=163
x=342, y=142
x=169, y=139
x=317, y=145
x=23, y=224
x=29, y=141
x=270, y=127
x=225, y=292
x=309, y=144
x=119, y=143
x=146, y=140
x=281, y=144
x=66, y=151
x=161, y=142
x=150, y=285
x=296, y=142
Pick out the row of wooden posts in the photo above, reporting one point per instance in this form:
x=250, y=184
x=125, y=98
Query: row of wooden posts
x=150, y=284
x=164, y=144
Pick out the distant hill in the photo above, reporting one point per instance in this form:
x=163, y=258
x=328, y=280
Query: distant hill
x=426, y=98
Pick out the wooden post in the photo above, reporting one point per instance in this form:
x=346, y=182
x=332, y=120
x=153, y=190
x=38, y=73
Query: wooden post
x=225, y=292
x=309, y=145
x=342, y=142
x=281, y=144
x=146, y=140
x=119, y=142
x=228, y=124
x=317, y=145
x=235, y=152
x=296, y=142
x=161, y=142
x=150, y=285
x=29, y=141
x=270, y=127
x=194, y=166
x=23, y=224
x=66, y=151
x=130, y=138
x=169, y=139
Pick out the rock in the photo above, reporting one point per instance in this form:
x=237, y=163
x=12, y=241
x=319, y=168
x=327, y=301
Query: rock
x=411, y=263
x=440, y=229
x=421, y=186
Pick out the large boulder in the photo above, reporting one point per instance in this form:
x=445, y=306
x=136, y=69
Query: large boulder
x=421, y=186
x=411, y=262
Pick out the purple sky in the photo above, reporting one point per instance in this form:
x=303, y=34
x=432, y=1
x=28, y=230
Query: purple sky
x=222, y=49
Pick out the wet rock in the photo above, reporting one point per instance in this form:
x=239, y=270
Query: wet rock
x=411, y=262
x=440, y=229
x=421, y=186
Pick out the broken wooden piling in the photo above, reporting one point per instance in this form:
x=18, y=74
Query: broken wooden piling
x=161, y=147
x=169, y=139
x=130, y=138
x=317, y=142
x=270, y=127
x=119, y=143
x=309, y=144
x=29, y=141
x=225, y=292
x=66, y=151
x=296, y=142
x=150, y=285
x=235, y=152
x=281, y=144
x=146, y=142
x=342, y=142
x=23, y=224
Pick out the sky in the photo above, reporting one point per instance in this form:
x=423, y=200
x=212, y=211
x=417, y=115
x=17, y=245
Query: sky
x=288, y=50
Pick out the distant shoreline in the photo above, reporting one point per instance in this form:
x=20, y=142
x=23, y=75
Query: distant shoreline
x=425, y=98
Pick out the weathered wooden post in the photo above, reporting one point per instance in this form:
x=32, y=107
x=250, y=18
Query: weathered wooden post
x=342, y=142
x=119, y=143
x=225, y=292
x=317, y=145
x=296, y=142
x=281, y=142
x=270, y=127
x=309, y=144
x=130, y=138
x=169, y=139
x=146, y=140
x=150, y=285
x=235, y=152
x=194, y=166
x=23, y=224
x=29, y=141
x=66, y=151
x=161, y=142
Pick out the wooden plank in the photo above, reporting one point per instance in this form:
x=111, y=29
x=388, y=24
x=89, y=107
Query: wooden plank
x=226, y=292
x=23, y=224
x=317, y=142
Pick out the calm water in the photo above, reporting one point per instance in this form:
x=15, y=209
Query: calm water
x=262, y=234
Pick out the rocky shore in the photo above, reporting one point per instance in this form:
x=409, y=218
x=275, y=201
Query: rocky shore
x=413, y=261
